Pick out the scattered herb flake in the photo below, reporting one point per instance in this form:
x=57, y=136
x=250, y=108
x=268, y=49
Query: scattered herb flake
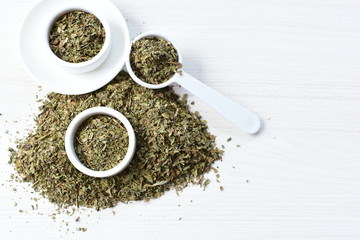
x=174, y=147
x=81, y=229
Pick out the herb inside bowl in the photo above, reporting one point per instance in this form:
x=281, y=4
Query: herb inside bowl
x=101, y=142
x=77, y=36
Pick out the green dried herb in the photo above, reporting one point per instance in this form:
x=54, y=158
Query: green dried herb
x=77, y=36
x=154, y=60
x=81, y=229
x=101, y=142
x=174, y=147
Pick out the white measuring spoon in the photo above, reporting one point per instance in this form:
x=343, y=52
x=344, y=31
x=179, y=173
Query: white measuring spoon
x=242, y=118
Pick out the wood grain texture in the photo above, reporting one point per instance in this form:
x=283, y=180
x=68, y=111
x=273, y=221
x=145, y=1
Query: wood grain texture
x=294, y=63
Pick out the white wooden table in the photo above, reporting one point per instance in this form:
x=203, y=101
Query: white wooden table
x=294, y=63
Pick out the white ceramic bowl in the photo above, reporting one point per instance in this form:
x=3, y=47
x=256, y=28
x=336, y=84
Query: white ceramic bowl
x=71, y=133
x=97, y=60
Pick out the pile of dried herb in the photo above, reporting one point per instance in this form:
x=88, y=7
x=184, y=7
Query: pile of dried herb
x=174, y=147
x=101, y=142
x=77, y=36
x=154, y=60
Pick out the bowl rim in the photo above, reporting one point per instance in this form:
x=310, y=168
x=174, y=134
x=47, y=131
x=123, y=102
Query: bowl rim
x=99, y=55
x=71, y=134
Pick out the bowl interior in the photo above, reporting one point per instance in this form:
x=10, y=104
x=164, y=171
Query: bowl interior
x=104, y=48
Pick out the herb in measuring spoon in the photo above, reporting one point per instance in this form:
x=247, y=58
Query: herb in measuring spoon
x=101, y=142
x=154, y=60
x=77, y=36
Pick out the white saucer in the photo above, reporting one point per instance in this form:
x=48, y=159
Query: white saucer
x=47, y=72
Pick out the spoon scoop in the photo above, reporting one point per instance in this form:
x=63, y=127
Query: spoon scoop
x=241, y=117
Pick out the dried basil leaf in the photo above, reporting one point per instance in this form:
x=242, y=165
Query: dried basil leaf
x=101, y=142
x=174, y=147
x=77, y=36
x=154, y=60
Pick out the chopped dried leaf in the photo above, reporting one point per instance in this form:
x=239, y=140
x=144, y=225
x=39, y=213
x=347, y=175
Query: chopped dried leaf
x=101, y=142
x=174, y=147
x=81, y=229
x=77, y=36
x=154, y=60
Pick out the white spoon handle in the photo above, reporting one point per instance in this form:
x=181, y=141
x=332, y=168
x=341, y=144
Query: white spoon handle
x=244, y=119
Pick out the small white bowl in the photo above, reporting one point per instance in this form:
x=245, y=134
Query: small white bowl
x=71, y=133
x=97, y=60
